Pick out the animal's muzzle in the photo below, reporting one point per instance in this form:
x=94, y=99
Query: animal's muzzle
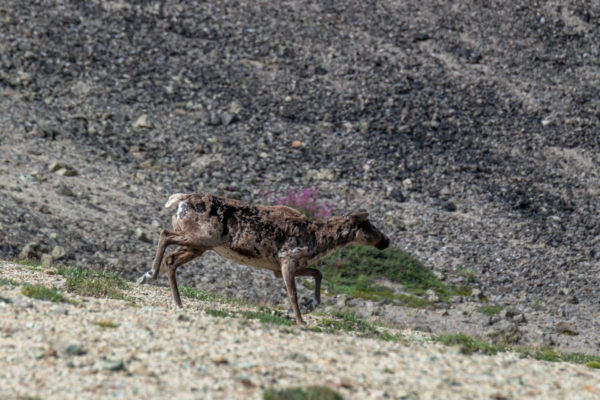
x=383, y=243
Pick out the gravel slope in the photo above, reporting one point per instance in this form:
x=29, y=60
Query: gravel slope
x=191, y=354
x=469, y=132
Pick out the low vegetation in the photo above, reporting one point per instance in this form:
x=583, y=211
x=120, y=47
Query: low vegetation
x=490, y=310
x=44, y=293
x=8, y=282
x=354, y=269
x=106, y=323
x=267, y=316
x=308, y=393
x=86, y=282
x=469, y=345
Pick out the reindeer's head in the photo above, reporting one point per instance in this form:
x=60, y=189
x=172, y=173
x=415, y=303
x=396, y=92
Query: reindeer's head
x=366, y=233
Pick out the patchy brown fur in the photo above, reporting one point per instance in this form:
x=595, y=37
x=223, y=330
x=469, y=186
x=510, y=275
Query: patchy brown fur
x=277, y=238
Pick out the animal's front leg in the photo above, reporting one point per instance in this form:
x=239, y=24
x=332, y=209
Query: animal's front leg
x=288, y=269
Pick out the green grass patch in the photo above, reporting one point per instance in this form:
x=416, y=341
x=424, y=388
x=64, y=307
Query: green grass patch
x=44, y=293
x=8, y=282
x=94, y=283
x=308, y=393
x=27, y=263
x=106, y=323
x=341, y=321
x=593, y=364
x=490, y=310
x=469, y=345
x=267, y=316
x=553, y=355
x=217, y=313
x=354, y=269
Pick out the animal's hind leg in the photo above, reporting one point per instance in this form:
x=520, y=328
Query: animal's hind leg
x=179, y=257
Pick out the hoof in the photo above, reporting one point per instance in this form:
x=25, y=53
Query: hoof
x=144, y=278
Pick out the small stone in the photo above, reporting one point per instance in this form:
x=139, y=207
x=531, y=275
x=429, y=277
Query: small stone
x=142, y=122
x=213, y=118
x=520, y=319
x=73, y=349
x=449, y=206
x=141, y=235
x=397, y=195
x=342, y=300
x=443, y=312
x=55, y=166
x=421, y=328
x=505, y=332
x=183, y=318
x=114, y=365
x=228, y=117
x=325, y=174
x=64, y=190
x=219, y=360
x=19, y=302
x=48, y=129
x=58, y=252
x=66, y=172
x=432, y=296
x=296, y=144
x=477, y=294
x=29, y=250
x=298, y=357
x=408, y=184
x=61, y=310
x=565, y=328
x=46, y=260
x=508, y=313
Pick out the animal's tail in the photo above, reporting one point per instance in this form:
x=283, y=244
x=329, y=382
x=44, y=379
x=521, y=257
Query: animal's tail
x=175, y=199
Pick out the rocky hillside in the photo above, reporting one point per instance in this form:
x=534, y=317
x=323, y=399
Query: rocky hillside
x=469, y=131
x=80, y=347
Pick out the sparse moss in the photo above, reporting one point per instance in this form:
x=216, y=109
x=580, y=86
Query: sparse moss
x=94, y=283
x=593, y=364
x=308, y=393
x=553, y=355
x=27, y=262
x=106, y=323
x=43, y=293
x=468, y=344
x=267, y=316
x=8, y=282
x=490, y=310
x=467, y=273
x=216, y=313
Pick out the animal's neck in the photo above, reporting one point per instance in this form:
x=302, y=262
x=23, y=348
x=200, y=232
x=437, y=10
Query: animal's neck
x=332, y=235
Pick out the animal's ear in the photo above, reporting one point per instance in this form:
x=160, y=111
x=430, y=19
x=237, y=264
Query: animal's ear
x=358, y=217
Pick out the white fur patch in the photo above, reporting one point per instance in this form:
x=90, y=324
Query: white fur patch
x=182, y=209
x=174, y=199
